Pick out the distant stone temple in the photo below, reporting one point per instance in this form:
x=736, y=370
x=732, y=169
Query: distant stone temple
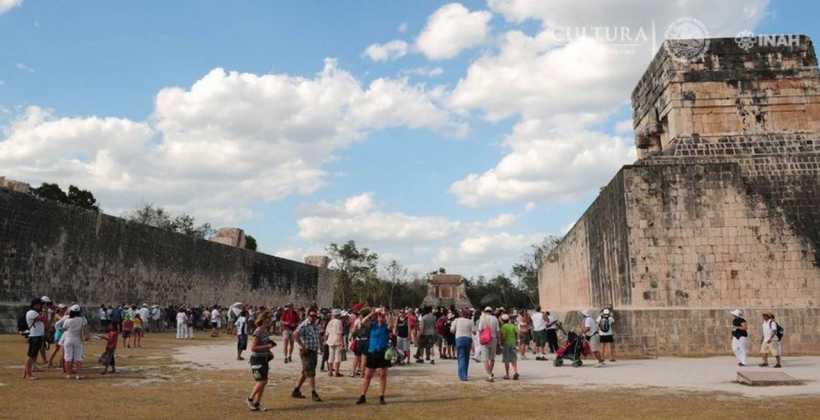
x=721, y=210
x=446, y=290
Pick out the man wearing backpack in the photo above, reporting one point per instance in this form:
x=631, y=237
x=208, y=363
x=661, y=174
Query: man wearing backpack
x=772, y=334
x=605, y=322
x=35, y=322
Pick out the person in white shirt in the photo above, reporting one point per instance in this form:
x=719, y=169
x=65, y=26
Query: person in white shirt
x=539, y=333
x=74, y=333
x=334, y=330
x=182, y=324
x=590, y=330
x=489, y=322
x=241, y=325
x=215, y=321
x=771, y=342
x=552, y=331
x=605, y=323
x=462, y=328
x=35, y=321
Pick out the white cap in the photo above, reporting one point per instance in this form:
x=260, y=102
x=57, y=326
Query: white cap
x=74, y=308
x=45, y=299
x=488, y=309
x=605, y=311
x=585, y=312
x=737, y=312
x=505, y=317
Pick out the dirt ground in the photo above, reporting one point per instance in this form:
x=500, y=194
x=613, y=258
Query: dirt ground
x=162, y=380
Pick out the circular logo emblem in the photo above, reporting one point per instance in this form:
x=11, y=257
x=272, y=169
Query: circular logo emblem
x=687, y=39
x=746, y=40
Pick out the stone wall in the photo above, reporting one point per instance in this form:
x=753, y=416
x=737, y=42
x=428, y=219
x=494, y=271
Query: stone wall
x=75, y=255
x=721, y=211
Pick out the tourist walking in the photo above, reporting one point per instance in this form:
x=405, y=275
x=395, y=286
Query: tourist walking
x=402, y=332
x=261, y=355
x=488, y=336
x=74, y=334
x=462, y=328
x=377, y=361
x=591, y=333
x=333, y=339
x=539, y=333
x=36, y=329
x=290, y=320
x=509, y=340
x=307, y=336
x=427, y=339
x=58, y=334
x=182, y=324
x=605, y=322
x=358, y=340
x=524, y=322
x=241, y=326
x=771, y=344
x=551, y=329
x=102, y=315
x=215, y=321
x=739, y=337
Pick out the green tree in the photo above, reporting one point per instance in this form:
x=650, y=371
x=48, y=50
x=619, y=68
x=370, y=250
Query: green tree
x=51, y=192
x=250, y=243
x=158, y=217
x=355, y=266
x=396, y=276
x=82, y=198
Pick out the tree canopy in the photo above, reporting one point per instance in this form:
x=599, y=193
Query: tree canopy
x=75, y=196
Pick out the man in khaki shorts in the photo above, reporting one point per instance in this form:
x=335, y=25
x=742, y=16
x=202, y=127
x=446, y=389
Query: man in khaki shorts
x=590, y=329
x=771, y=340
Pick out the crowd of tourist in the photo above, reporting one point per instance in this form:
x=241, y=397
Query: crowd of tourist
x=372, y=339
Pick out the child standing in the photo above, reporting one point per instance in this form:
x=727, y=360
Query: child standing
x=107, y=358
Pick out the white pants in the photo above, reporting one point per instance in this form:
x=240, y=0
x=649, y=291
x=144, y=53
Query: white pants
x=190, y=331
x=182, y=329
x=739, y=348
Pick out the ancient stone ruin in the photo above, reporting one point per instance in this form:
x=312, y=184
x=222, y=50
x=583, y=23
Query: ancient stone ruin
x=75, y=255
x=721, y=210
x=446, y=290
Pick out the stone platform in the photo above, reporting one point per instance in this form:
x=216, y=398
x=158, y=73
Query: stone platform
x=766, y=379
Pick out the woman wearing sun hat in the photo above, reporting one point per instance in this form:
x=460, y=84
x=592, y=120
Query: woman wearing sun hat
x=74, y=334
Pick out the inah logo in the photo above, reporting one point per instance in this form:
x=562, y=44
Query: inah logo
x=746, y=40
x=687, y=39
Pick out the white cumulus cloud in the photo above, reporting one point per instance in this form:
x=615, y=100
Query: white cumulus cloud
x=6, y=5
x=229, y=140
x=451, y=29
x=387, y=51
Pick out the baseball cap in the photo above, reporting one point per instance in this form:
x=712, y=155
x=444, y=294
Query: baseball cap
x=45, y=299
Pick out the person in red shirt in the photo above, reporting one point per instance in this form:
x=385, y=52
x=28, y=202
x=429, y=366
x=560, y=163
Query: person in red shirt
x=107, y=358
x=290, y=320
x=412, y=324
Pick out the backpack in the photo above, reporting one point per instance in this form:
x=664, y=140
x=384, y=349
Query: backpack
x=605, y=325
x=779, y=331
x=22, y=324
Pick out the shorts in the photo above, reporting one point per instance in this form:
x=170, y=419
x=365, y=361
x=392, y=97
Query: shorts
x=772, y=348
x=214, y=325
x=403, y=344
x=427, y=341
x=126, y=334
x=508, y=354
x=242, y=342
x=376, y=360
x=259, y=368
x=607, y=338
x=594, y=342
x=287, y=333
x=138, y=330
x=488, y=350
x=107, y=358
x=525, y=338
x=334, y=353
x=450, y=339
x=73, y=352
x=309, y=360
x=361, y=347
x=540, y=338
x=34, y=346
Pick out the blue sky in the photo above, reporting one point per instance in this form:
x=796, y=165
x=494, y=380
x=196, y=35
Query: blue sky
x=505, y=139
